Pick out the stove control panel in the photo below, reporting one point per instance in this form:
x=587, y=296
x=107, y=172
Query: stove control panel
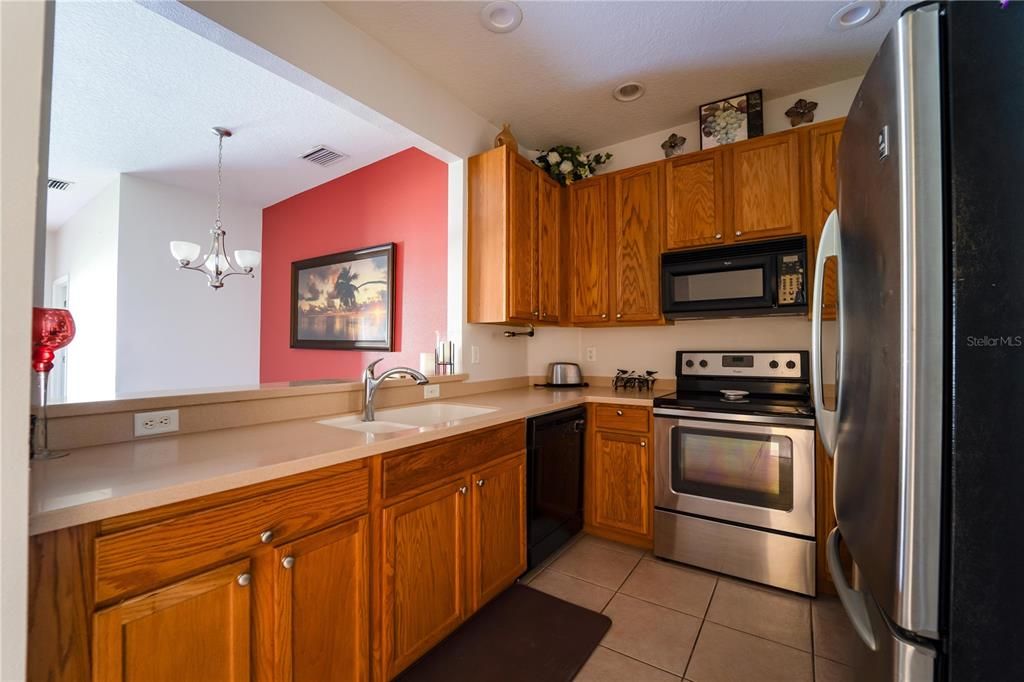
x=785, y=365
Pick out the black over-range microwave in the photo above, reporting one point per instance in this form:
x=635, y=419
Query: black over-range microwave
x=759, y=278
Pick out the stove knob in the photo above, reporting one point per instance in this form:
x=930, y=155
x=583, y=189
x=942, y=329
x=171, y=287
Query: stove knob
x=774, y=364
x=790, y=364
x=703, y=363
x=689, y=363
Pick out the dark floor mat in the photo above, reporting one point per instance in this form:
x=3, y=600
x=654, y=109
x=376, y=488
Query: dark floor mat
x=521, y=635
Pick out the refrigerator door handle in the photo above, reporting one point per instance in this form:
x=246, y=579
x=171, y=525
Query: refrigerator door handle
x=828, y=420
x=853, y=600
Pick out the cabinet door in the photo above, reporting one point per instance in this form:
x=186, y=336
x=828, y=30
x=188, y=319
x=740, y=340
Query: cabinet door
x=497, y=528
x=321, y=599
x=695, y=199
x=522, y=240
x=636, y=230
x=549, y=237
x=766, y=187
x=621, y=486
x=588, y=224
x=424, y=573
x=824, y=153
x=196, y=629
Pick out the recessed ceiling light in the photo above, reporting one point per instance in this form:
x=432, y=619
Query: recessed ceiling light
x=629, y=92
x=855, y=14
x=501, y=16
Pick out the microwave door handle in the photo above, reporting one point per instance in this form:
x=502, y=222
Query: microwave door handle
x=828, y=420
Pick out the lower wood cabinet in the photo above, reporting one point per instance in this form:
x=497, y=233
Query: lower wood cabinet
x=195, y=629
x=497, y=529
x=322, y=605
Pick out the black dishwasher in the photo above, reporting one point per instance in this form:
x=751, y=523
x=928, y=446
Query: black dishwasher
x=554, y=481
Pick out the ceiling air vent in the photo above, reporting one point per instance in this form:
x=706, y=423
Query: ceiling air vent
x=322, y=155
x=59, y=185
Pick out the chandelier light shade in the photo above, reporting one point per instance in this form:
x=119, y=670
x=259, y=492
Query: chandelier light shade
x=215, y=263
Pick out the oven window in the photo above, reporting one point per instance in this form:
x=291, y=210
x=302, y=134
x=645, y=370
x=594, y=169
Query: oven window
x=750, y=469
x=714, y=286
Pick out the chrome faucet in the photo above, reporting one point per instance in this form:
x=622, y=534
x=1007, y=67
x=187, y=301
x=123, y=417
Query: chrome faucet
x=370, y=384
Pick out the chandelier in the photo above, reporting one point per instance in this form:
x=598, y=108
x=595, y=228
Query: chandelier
x=218, y=266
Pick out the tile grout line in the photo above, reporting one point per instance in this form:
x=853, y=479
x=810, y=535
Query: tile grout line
x=704, y=619
x=814, y=667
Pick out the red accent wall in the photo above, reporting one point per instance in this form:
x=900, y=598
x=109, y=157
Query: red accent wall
x=401, y=199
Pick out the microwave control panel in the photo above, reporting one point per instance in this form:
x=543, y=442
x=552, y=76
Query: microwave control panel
x=792, y=280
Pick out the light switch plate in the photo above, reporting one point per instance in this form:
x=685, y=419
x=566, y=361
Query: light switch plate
x=431, y=391
x=591, y=354
x=153, y=423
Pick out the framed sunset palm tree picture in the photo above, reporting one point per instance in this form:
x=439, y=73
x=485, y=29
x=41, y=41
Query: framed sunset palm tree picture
x=345, y=301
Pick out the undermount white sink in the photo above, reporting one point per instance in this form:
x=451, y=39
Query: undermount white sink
x=412, y=417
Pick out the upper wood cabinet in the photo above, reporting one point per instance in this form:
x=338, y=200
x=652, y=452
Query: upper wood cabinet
x=497, y=529
x=695, y=200
x=196, y=629
x=766, y=186
x=824, y=197
x=514, y=240
x=322, y=605
x=589, y=239
x=636, y=231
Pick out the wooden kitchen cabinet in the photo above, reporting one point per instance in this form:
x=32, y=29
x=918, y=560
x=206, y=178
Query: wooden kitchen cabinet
x=195, y=629
x=618, y=499
x=515, y=240
x=636, y=231
x=321, y=605
x=823, y=144
x=695, y=200
x=590, y=248
x=497, y=529
x=766, y=186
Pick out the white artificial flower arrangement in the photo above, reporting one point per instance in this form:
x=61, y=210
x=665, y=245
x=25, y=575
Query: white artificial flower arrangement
x=568, y=164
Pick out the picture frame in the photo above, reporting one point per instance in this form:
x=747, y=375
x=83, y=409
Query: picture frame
x=331, y=311
x=732, y=119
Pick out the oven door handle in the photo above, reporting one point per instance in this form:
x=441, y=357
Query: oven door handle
x=828, y=420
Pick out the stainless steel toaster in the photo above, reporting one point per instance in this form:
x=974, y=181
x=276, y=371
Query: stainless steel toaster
x=564, y=373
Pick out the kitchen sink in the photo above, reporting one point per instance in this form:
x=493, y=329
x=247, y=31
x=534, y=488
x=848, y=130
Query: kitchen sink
x=412, y=417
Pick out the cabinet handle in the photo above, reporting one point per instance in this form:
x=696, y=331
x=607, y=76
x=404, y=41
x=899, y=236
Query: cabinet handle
x=618, y=316
x=718, y=236
x=536, y=313
x=266, y=537
x=244, y=579
x=288, y=561
x=643, y=444
x=618, y=413
x=480, y=483
x=604, y=316
x=738, y=233
x=462, y=490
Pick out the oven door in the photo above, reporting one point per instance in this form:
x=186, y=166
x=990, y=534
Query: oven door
x=756, y=474
x=707, y=286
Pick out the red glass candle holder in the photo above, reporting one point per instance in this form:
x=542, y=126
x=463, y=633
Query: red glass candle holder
x=52, y=329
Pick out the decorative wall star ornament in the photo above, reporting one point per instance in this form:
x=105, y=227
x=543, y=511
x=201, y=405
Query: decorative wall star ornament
x=673, y=145
x=802, y=111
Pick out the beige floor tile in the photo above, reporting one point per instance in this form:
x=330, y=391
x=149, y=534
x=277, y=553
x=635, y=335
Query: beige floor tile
x=611, y=544
x=595, y=564
x=528, y=577
x=725, y=655
x=830, y=671
x=606, y=665
x=768, y=613
x=579, y=592
x=676, y=587
x=834, y=637
x=650, y=633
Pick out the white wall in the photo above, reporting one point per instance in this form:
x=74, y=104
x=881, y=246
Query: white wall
x=173, y=331
x=85, y=249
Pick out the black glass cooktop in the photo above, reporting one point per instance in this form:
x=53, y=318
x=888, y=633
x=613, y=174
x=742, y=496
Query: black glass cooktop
x=749, y=404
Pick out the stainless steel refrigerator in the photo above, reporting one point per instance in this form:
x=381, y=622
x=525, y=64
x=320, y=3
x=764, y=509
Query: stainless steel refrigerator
x=926, y=356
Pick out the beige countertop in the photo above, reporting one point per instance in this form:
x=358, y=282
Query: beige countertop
x=109, y=480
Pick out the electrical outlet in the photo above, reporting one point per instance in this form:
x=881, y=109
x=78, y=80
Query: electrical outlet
x=474, y=355
x=432, y=391
x=152, y=423
x=591, y=354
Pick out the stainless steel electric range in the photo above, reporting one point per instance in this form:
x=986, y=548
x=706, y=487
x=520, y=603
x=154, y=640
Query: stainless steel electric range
x=734, y=467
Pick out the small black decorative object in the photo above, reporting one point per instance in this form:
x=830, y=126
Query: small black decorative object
x=731, y=119
x=802, y=111
x=673, y=146
x=633, y=381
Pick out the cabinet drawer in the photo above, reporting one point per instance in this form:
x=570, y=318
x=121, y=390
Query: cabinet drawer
x=622, y=418
x=413, y=468
x=143, y=558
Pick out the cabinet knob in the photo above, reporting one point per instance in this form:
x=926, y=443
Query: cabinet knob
x=288, y=561
x=718, y=236
x=267, y=536
x=536, y=313
x=480, y=483
x=618, y=316
x=604, y=316
x=618, y=413
x=244, y=579
x=462, y=490
x=643, y=444
x=738, y=233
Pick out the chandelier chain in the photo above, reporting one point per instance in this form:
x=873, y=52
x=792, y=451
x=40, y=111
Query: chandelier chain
x=220, y=164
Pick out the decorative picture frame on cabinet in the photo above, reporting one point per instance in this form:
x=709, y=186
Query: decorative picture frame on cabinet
x=345, y=301
x=732, y=119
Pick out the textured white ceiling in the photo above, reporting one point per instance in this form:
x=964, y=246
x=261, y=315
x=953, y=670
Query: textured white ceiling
x=552, y=78
x=134, y=92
